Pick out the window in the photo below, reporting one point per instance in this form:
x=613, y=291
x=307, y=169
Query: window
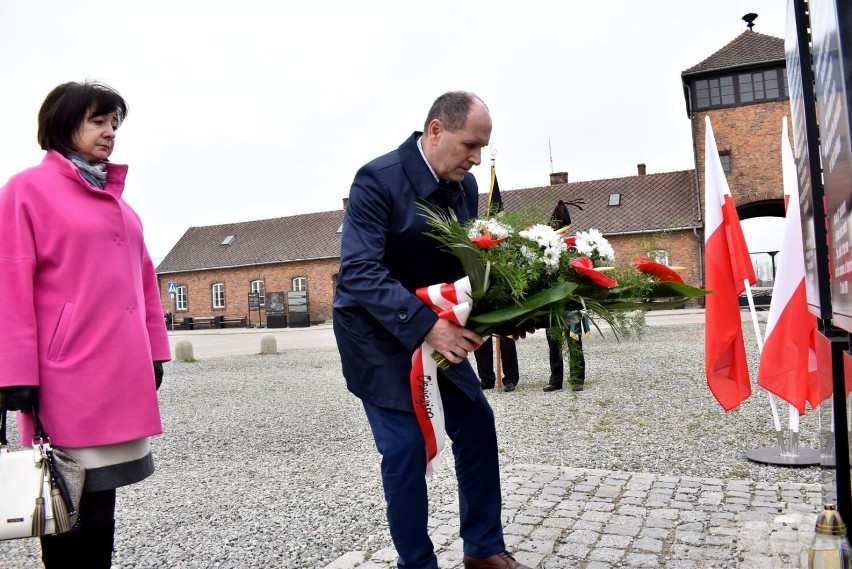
x=219, y=295
x=228, y=240
x=181, y=298
x=725, y=159
x=614, y=199
x=659, y=255
x=257, y=286
x=714, y=92
x=751, y=87
x=760, y=86
x=300, y=284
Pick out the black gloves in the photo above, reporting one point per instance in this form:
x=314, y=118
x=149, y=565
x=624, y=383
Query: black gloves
x=158, y=374
x=18, y=398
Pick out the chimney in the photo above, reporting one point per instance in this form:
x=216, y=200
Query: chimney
x=558, y=178
x=345, y=203
x=641, y=168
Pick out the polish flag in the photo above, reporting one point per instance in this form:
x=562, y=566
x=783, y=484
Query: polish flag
x=452, y=302
x=727, y=268
x=788, y=359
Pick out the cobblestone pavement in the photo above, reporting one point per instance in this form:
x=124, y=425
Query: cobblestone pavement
x=560, y=517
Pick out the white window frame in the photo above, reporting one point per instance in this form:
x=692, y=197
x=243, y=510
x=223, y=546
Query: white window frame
x=181, y=298
x=258, y=287
x=300, y=284
x=660, y=256
x=218, y=293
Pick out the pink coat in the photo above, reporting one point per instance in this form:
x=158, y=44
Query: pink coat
x=80, y=315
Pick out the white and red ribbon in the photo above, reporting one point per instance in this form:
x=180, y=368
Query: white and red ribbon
x=452, y=302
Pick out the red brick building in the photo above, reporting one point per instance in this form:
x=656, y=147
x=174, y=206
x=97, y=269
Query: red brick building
x=742, y=87
x=216, y=267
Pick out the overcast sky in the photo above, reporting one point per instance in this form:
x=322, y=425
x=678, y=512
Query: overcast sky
x=258, y=109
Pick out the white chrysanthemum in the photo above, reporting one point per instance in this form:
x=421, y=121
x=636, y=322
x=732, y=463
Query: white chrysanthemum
x=606, y=251
x=541, y=234
x=497, y=229
x=550, y=256
x=593, y=244
x=476, y=229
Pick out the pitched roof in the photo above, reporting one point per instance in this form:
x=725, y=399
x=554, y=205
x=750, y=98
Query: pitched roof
x=747, y=49
x=650, y=202
x=278, y=240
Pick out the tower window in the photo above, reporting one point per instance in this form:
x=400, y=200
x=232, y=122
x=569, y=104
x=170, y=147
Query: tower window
x=725, y=159
x=751, y=87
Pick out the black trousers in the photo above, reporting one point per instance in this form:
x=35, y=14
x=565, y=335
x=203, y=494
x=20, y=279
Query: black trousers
x=485, y=361
x=90, y=544
x=576, y=360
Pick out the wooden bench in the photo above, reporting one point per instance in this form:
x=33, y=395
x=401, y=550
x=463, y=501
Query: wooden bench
x=231, y=321
x=195, y=322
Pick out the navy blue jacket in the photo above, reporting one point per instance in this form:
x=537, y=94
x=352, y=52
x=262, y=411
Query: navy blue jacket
x=384, y=257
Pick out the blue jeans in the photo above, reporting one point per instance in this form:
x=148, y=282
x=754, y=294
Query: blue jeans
x=470, y=425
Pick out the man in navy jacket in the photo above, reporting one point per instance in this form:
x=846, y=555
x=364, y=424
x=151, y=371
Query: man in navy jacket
x=379, y=323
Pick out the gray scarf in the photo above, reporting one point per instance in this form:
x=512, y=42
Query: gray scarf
x=95, y=174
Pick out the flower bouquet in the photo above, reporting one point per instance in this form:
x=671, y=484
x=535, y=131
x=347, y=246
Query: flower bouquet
x=528, y=275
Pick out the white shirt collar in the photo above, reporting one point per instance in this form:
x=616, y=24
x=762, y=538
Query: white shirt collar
x=420, y=148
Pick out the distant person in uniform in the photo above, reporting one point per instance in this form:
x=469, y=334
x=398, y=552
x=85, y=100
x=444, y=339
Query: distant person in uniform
x=578, y=324
x=484, y=356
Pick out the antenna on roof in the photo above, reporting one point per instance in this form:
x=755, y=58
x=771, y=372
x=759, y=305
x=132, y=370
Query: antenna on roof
x=550, y=152
x=749, y=20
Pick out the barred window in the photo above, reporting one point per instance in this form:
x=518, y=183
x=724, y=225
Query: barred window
x=257, y=286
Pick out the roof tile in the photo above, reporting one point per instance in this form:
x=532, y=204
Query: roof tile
x=747, y=49
x=651, y=202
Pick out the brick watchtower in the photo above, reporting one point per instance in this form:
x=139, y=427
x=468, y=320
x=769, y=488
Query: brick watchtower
x=743, y=88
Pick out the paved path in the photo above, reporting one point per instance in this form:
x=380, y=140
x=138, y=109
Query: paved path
x=559, y=518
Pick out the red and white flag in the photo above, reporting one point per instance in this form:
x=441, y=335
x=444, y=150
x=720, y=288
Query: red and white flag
x=452, y=302
x=727, y=267
x=788, y=359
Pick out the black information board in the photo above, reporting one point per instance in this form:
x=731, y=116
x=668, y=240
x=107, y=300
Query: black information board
x=832, y=65
x=806, y=144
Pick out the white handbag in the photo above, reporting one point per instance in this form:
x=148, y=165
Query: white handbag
x=34, y=497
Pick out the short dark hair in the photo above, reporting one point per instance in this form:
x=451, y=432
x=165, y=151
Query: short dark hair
x=452, y=109
x=64, y=110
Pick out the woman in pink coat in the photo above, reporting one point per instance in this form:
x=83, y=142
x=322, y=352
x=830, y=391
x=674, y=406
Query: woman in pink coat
x=82, y=336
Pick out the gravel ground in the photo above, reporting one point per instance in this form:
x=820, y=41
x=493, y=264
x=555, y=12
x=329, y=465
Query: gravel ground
x=267, y=461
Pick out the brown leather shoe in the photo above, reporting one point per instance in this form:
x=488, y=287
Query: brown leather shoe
x=498, y=561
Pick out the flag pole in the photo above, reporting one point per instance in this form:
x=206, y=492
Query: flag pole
x=772, y=403
x=498, y=366
x=788, y=451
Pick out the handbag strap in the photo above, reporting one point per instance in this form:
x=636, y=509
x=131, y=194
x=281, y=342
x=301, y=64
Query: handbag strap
x=3, y=440
x=38, y=428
